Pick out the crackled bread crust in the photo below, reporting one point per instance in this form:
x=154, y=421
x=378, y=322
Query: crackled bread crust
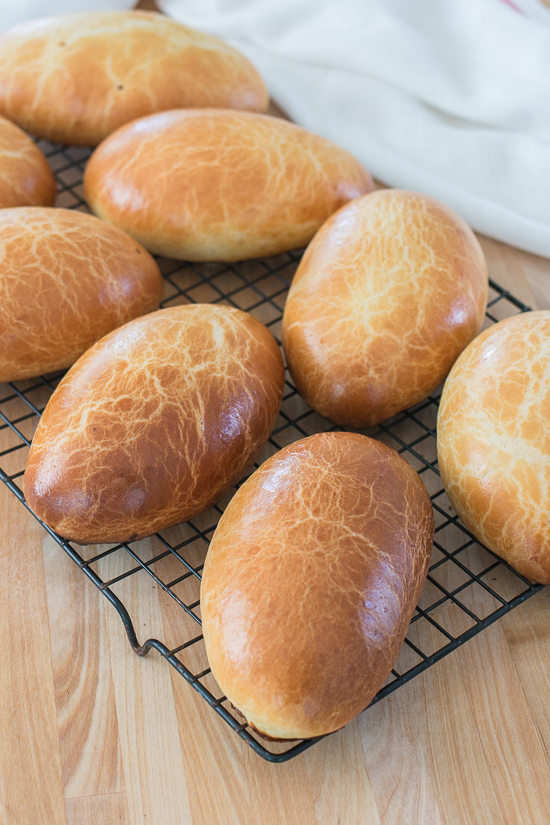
x=154, y=423
x=310, y=582
x=25, y=177
x=220, y=185
x=387, y=295
x=493, y=441
x=66, y=279
x=75, y=78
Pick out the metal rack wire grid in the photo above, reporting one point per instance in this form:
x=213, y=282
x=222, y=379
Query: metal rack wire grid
x=467, y=588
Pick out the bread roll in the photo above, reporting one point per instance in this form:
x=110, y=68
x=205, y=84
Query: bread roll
x=311, y=580
x=493, y=441
x=386, y=297
x=220, y=185
x=25, y=177
x=154, y=423
x=66, y=279
x=76, y=78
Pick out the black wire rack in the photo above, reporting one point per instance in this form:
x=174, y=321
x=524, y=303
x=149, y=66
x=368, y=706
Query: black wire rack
x=467, y=588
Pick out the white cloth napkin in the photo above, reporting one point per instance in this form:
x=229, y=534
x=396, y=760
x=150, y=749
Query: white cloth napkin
x=17, y=11
x=446, y=97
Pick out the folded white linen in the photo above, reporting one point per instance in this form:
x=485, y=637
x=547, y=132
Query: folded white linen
x=533, y=8
x=12, y=13
x=446, y=97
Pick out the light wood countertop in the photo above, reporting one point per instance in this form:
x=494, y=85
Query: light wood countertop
x=91, y=734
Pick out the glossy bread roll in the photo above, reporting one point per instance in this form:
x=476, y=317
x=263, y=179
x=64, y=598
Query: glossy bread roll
x=386, y=297
x=25, y=177
x=310, y=582
x=154, y=423
x=220, y=185
x=76, y=78
x=66, y=279
x=493, y=441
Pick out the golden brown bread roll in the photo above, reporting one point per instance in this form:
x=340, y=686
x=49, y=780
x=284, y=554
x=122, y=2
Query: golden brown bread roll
x=66, y=279
x=310, y=582
x=493, y=441
x=76, y=78
x=387, y=295
x=25, y=177
x=154, y=423
x=220, y=185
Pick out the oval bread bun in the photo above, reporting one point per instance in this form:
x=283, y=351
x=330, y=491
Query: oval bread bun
x=154, y=423
x=25, y=177
x=386, y=297
x=311, y=580
x=66, y=279
x=493, y=441
x=76, y=78
x=219, y=185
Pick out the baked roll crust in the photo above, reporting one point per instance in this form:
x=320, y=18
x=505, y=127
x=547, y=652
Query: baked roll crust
x=493, y=441
x=386, y=297
x=310, y=582
x=75, y=78
x=25, y=176
x=66, y=280
x=215, y=185
x=154, y=423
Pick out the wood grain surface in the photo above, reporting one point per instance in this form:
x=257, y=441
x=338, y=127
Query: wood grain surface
x=91, y=734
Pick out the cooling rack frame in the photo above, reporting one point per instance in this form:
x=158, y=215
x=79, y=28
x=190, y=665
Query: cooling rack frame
x=260, y=287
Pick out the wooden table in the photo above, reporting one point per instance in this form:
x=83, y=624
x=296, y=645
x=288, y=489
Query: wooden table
x=90, y=734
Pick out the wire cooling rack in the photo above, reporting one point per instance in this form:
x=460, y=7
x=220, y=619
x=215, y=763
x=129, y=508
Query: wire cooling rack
x=467, y=588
